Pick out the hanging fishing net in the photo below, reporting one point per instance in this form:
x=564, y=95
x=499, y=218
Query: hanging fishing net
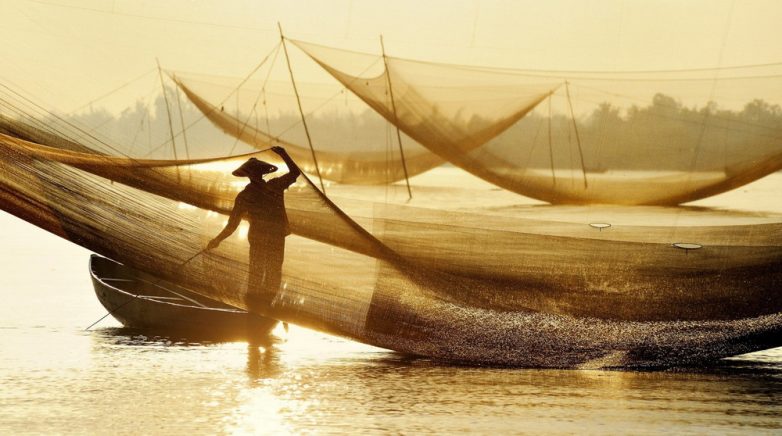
x=363, y=157
x=569, y=137
x=350, y=142
x=504, y=286
x=481, y=288
x=509, y=251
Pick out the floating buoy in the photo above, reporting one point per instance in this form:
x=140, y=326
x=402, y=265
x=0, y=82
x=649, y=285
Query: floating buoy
x=687, y=246
x=600, y=226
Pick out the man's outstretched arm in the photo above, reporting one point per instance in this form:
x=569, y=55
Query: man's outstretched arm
x=233, y=222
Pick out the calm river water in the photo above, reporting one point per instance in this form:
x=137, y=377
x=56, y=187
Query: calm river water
x=57, y=378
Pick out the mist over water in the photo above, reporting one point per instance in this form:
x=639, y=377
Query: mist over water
x=56, y=377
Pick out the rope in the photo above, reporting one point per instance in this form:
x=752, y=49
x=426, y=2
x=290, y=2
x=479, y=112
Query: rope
x=67, y=123
x=702, y=133
x=144, y=117
x=257, y=67
x=182, y=121
x=112, y=311
x=156, y=283
x=102, y=96
x=332, y=97
x=640, y=100
x=262, y=92
x=524, y=71
x=149, y=17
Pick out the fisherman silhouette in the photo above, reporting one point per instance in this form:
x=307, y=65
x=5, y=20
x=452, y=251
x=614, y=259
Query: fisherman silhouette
x=262, y=203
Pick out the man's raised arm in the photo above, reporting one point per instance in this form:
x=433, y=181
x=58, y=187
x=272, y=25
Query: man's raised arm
x=293, y=170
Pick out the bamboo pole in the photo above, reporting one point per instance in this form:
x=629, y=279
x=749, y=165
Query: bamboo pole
x=182, y=121
x=550, y=144
x=578, y=138
x=168, y=112
x=301, y=111
x=396, y=119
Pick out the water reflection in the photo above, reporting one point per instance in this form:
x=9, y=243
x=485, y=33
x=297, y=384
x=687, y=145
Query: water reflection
x=152, y=383
x=262, y=359
x=57, y=378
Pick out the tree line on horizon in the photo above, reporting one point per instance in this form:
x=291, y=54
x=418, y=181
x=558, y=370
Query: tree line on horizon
x=660, y=135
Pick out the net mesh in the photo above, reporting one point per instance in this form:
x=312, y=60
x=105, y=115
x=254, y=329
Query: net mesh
x=350, y=147
x=614, y=138
x=486, y=287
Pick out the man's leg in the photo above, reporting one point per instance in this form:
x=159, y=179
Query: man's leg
x=255, y=278
x=273, y=268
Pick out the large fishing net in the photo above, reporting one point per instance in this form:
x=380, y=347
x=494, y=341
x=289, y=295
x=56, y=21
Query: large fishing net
x=352, y=142
x=618, y=138
x=665, y=137
x=491, y=287
x=350, y=146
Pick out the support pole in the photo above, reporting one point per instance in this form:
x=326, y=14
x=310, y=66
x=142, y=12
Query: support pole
x=168, y=112
x=182, y=121
x=301, y=111
x=550, y=143
x=396, y=119
x=578, y=138
x=149, y=130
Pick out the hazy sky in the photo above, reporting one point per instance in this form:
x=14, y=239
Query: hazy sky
x=69, y=52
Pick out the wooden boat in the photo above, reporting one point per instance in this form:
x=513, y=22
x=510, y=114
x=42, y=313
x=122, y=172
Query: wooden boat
x=142, y=301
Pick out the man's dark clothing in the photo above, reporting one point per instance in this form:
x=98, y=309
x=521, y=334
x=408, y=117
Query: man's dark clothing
x=263, y=204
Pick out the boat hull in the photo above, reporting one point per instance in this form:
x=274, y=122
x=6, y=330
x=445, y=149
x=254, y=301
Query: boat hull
x=141, y=301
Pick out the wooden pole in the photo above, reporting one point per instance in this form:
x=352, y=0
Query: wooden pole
x=578, y=139
x=396, y=119
x=550, y=143
x=301, y=111
x=182, y=121
x=168, y=112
